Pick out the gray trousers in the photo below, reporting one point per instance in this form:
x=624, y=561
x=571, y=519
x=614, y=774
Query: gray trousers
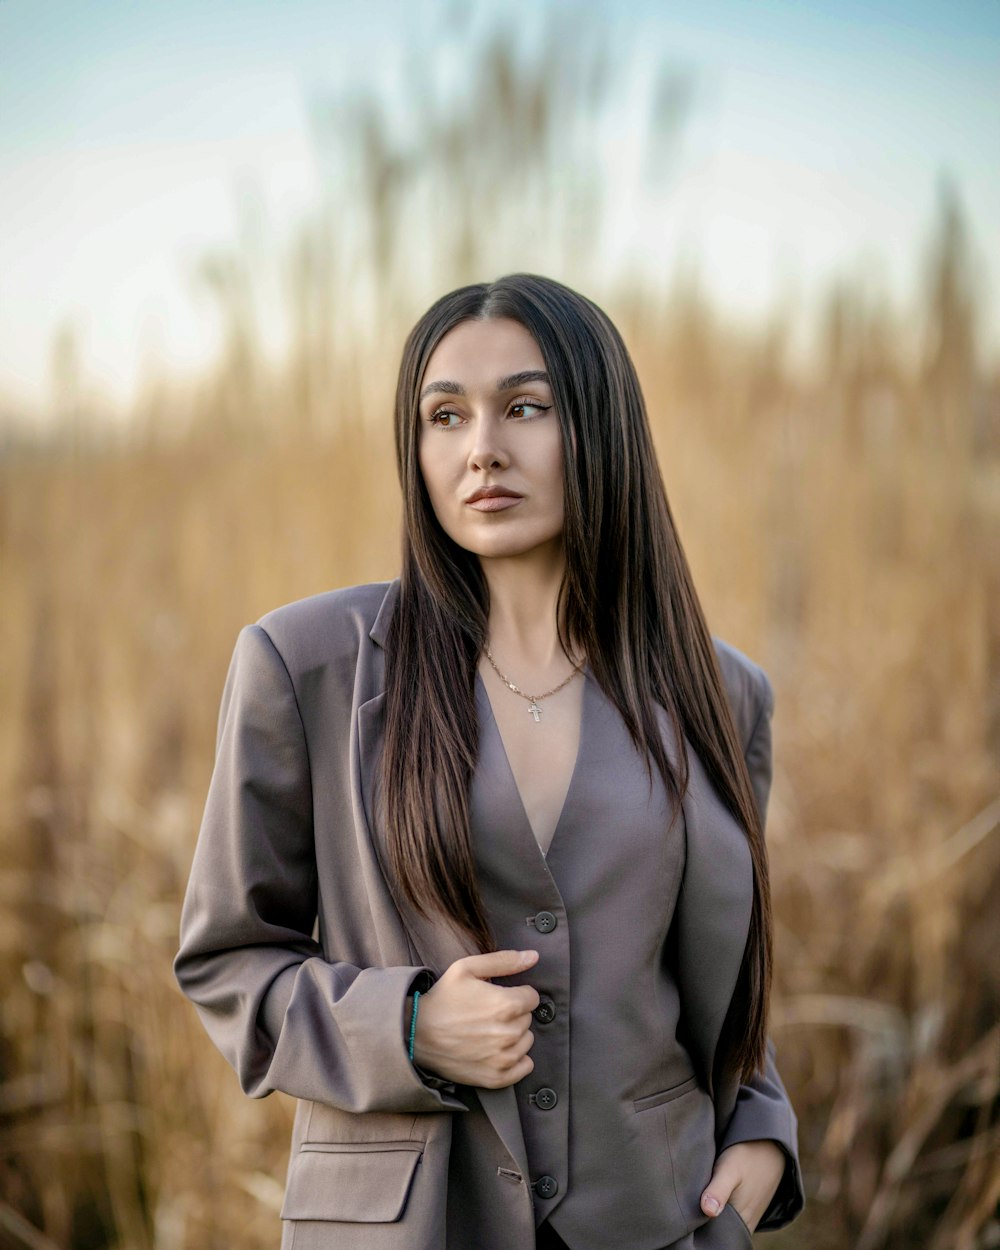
x=726, y=1232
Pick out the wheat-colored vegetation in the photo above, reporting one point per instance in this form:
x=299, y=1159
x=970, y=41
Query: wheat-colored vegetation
x=842, y=526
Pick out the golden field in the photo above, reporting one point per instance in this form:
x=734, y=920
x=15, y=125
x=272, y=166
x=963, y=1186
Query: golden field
x=842, y=524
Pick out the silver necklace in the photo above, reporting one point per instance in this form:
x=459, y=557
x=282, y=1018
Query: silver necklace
x=533, y=708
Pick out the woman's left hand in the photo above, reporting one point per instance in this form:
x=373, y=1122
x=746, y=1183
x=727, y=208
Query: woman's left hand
x=746, y=1175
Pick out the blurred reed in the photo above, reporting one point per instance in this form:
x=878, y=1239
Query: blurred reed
x=842, y=524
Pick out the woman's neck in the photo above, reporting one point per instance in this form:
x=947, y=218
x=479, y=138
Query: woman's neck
x=522, y=623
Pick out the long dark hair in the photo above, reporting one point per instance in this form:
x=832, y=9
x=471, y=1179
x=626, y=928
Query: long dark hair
x=627, y=598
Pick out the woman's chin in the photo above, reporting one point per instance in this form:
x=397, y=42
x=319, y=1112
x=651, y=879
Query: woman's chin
x=509, y=548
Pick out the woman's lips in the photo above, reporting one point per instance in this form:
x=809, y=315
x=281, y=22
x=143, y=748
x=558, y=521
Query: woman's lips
x=496, y=504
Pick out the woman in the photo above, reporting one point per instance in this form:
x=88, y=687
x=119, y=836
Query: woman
x=516, y=975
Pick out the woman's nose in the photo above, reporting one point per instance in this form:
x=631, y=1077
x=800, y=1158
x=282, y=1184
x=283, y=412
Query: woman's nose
x=486, y=451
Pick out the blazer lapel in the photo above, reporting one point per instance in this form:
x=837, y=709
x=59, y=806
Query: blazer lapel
x=435, y=944
x=712, y=916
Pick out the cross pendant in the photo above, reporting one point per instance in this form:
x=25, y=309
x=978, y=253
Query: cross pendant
x=535, y=711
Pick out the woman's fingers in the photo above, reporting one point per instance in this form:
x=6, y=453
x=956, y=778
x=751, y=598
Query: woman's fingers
x=525, y=1039
x=510, y=1076
x=746, y=1176
x=522, y=997
x=503, y=963
x=472, y=1031
x=725, y=1178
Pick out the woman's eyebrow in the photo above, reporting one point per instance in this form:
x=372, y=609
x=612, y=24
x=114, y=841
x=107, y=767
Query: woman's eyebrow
x=509, y=383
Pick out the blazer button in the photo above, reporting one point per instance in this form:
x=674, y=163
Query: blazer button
x=545, y=921
x=545, y=1012
x=546, y=1186
x=545, y=1098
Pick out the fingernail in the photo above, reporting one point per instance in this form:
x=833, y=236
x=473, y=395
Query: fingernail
x=711, y=1204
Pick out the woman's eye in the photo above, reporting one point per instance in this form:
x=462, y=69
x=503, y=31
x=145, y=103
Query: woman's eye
x=525, y=403
x=441, y=412
x=517, y=406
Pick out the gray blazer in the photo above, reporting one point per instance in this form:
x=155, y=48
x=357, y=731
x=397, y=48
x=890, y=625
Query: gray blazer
x=299, y=963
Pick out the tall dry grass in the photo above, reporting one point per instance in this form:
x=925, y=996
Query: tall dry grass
x=842, y=525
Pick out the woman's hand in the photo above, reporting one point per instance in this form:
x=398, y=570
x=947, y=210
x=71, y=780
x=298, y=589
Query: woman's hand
x=746, y=1175
x=475, y=1033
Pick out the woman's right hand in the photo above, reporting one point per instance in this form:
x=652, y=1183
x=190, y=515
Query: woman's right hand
x=475, y=1033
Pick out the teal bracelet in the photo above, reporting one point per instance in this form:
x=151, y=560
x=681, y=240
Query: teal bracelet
x=413, y=1021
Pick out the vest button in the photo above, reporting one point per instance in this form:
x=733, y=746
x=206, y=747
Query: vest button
x=546, y=1098
x=545, y=921
x=545, y=1012
x=546, y=1186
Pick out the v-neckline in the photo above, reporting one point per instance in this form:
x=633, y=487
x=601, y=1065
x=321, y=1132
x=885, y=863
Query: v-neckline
x=545, y=854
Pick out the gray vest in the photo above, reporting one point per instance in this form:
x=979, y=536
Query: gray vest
x=609, y=1064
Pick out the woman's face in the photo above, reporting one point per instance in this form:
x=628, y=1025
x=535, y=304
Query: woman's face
x=487, y=419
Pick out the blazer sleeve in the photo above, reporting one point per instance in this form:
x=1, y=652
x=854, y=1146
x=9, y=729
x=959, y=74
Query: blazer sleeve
x=763, y=1108
x=283, y=1016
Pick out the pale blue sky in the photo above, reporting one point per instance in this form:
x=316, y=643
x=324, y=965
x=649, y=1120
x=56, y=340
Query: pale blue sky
x=817, y=137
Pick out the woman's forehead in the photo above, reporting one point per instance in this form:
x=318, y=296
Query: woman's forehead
x=483, y=352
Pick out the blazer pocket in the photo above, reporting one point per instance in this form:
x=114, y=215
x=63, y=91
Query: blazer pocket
x=366, y=1182
x=691, y=1138
x=742, y=1227
x=665, y=1095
